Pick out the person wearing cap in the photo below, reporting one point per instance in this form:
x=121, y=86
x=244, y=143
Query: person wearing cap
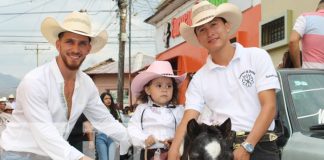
x=155, y=119
x=11, y=102
x=50, y=98
x=236, y=82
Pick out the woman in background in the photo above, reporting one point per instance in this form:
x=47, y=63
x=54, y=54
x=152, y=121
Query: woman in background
x=102, y=141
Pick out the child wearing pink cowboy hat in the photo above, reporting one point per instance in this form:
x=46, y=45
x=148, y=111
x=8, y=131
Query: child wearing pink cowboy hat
x=154, y=121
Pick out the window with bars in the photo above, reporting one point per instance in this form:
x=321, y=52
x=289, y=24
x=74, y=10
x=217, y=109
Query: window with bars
x=274, y=33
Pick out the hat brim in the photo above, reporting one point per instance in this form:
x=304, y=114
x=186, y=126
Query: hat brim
x=229, y=12
x=143, y=78
x=50, y=29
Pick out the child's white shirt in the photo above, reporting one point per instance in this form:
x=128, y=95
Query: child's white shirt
x=157, y=121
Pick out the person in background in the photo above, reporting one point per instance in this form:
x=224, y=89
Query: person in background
x=309, y=29
x=5, y=117
x=11, y=101
x=287, y=62
x=103, y=142
x=236, y=82
x=50, y=98
x=153, y=124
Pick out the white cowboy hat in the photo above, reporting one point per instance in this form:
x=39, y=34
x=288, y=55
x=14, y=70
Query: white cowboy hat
x=155, y=70
x=204, y=12
x=76, y=22
x=3, y=99
x=11, y=96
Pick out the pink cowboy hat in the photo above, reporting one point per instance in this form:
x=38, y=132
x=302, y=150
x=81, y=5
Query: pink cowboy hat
x=155, y=70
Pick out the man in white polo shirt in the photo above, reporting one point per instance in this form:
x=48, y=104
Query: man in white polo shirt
x=236, y=82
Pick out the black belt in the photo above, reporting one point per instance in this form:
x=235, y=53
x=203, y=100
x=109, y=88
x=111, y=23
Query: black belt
x=240, y=136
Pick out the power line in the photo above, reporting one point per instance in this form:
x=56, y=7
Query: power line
x=52, y=12
x=37, y=49
x=26, y=36
x=44, y=42
x=16, y=3
x=11, y=18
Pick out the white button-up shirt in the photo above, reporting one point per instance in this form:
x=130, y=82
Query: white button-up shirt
x=39, y=123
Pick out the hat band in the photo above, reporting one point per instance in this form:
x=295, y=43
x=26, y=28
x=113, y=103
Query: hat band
x=202, y=9
x=77, y=20
x=167, y=74
x=205, y=18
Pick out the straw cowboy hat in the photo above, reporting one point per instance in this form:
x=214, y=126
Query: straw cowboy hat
x=155, y=70
x=11, y=96
x=204, y=12
x=76, y=22
x=3, y=99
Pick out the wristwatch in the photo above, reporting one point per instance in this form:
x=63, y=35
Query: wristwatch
x=248, y=147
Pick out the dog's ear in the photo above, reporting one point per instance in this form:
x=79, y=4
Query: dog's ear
x=193, y=128
x=226, y=127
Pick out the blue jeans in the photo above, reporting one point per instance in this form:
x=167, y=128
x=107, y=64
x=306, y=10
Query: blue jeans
x=102, y=146
x=11, y=155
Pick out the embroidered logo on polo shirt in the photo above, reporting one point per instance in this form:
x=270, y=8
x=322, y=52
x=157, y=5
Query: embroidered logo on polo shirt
x=247, y=78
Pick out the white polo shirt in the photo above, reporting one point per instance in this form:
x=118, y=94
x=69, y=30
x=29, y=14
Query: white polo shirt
x=232, y=91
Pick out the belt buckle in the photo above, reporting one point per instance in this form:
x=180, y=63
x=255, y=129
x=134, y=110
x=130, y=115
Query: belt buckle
x=236, y=145
x=240, y=133
x=272, y=137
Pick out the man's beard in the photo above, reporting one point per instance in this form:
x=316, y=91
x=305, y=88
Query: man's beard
x=71, y=66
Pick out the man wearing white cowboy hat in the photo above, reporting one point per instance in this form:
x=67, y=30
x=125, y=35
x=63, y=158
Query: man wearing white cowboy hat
x=50, y=98
x=4, y=117
x=235, y=82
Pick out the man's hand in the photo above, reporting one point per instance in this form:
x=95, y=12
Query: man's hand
x=86, y=158
x=241, y=154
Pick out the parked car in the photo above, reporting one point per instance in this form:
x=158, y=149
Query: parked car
x=300, y=104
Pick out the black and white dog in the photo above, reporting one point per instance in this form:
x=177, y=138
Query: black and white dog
x=203, y=142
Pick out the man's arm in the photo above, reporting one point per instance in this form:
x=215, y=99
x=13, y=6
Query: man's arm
x=294, y=50
x=180, y=133
x=268, y=111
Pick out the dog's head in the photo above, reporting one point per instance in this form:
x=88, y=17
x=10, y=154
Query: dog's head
x=209, y=142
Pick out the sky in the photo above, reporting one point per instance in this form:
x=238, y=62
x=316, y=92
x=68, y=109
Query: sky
x=20, y=31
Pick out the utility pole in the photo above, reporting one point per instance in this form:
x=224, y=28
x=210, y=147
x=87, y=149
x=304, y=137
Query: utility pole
x=122, y=5
x=37, y=52
x=129, y=51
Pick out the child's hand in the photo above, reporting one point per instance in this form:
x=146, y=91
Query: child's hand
x=149, y=141
x=167, y=143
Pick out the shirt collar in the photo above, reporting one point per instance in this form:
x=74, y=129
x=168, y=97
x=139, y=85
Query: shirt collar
x=237, y=56
x=152, y=104
x=58, y=75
